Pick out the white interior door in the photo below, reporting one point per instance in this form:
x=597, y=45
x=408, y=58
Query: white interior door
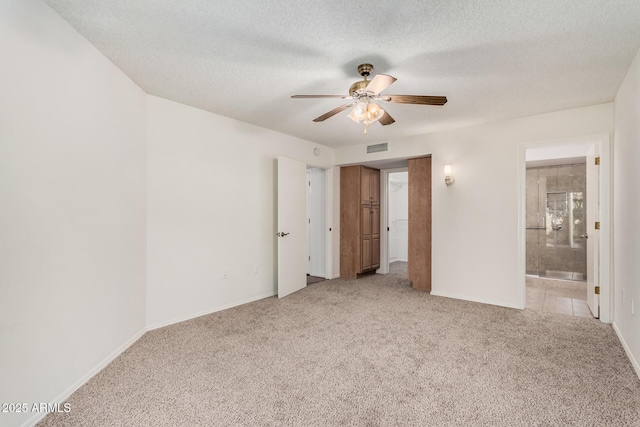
x=593, y=244
x=292, y=218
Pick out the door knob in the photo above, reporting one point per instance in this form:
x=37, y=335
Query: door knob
x=282, y=234
x=584, y=236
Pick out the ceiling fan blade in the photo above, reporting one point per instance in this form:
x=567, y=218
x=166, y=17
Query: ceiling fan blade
x=320, y=96
x=415, y=99
x=333, y=112
x=379, y=83
x=386, y=119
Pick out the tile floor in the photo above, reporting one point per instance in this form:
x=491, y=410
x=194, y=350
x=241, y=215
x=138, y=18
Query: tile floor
x=557, y=296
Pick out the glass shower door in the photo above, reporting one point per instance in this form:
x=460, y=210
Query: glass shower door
x=556, y=222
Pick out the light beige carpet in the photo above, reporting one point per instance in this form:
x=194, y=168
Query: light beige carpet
x=367, y=352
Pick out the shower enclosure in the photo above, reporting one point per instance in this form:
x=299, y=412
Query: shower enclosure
x=556, y=221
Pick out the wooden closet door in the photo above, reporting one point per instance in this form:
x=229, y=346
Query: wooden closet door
x=359, y=220
x=365, y=220
x=375, y=222
x=366, y=254
x=375, y=187
x=366, y=238
x=350, y=218
x=375, y=236
x=365, y=185
x=375, y=253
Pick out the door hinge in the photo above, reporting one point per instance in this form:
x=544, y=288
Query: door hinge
x=309, y=220
x=597, y=225
x=597, y=161
x=597, y=291
x=309, y=257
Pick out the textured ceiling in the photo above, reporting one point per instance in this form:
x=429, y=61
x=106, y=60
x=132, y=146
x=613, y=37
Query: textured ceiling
x=243, y=59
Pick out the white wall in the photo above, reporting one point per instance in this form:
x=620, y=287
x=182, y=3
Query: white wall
x=211, y=206
x=626, y=207
x=72, y=215
x=475, y=221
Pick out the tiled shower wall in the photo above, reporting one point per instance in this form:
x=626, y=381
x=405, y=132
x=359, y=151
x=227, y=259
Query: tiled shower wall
x=550, y=252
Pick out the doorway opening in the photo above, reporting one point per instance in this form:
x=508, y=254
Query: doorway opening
x=556, y=236
x=398, y=221
x=316, y=195
x=419, y=174
x=564, y=199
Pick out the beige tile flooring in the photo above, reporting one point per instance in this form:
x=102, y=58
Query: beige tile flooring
x=557, y=296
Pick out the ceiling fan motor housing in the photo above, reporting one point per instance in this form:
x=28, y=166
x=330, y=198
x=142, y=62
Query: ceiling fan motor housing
x=358, y=87
x=365, y=70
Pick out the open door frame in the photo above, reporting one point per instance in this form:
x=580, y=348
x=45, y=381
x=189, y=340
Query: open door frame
x=384, y=217
x=605, y=245
x=593, y=235
x=317, y=225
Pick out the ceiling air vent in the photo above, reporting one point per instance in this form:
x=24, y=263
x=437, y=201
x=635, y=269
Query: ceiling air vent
x=377, y=147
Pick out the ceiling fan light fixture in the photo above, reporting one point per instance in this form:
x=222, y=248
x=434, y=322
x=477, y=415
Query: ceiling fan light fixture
x=353, y=117
x=374, y=113
x=360, y=110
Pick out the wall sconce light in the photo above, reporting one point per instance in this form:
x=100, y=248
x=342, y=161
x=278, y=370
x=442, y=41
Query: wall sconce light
x=448, y=175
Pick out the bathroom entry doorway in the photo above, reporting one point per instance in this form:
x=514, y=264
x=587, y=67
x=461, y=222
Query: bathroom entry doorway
x=556, y=219
x=566, y=227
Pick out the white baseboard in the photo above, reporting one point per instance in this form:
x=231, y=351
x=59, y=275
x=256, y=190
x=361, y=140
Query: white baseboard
x=209, y=311
x=627, y=350
x=480, y=300
x=100, y=366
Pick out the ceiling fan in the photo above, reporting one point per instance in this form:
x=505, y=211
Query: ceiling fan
x=364, y=93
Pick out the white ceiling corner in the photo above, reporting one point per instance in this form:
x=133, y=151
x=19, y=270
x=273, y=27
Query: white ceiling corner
x=494, y=60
